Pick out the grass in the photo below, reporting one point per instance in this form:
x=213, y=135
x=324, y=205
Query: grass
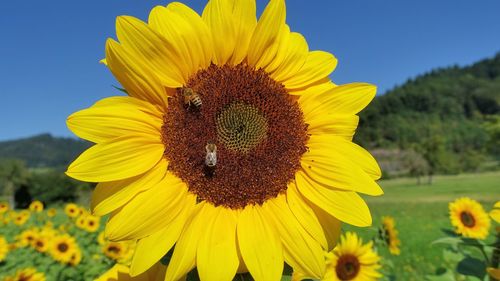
x=421, y=211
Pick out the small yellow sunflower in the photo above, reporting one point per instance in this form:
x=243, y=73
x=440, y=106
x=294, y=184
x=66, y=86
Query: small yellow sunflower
x=495, y=213
x=63, y=248
x=27, y=274
x=36, y=206
x=91, y=223
x=80, y=222
x=76, y=258
x=72, y=210
x=21, y=218
x=27, y=237
x=469, y=218
x=4, y=207
x=101, y=238
x=115, y=250
x=120, y=272
x=233, y=144
x=351, y=260
x=41, y=244
x=4, y=248
x=390, y=235
x=52, y=212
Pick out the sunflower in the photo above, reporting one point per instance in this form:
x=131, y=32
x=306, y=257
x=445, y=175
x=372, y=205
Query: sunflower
x=118, y=251
x=63, y=248
x=27, y=274
x=41, y=244
x=120, y=272
x=81, y=221
x=72, y=210
x=4, y=207
x=389, y=234
x=351, y=260
x=27, y=237
x=232, y=144
x=91, y=223
x=21, y=218
x=469, y=218
x=52, y=212
x=76, y=258
x=36, y=206
x=4, y=248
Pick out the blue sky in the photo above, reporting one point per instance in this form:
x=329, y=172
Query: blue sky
x=49, y=50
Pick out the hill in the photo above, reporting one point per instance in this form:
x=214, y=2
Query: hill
x=43, y=151
x=449, y=116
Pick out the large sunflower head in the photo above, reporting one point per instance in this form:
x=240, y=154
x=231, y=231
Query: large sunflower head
x=469, y=218
x=389, y=234
x=232, y=143
x=4, y=248
x=63, y=247
x=352, y=260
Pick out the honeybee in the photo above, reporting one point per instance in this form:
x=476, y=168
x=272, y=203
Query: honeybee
x=211, y=156
x=191, y=97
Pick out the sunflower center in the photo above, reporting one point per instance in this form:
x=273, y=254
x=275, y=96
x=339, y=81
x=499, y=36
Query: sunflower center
x=467, y=219
x=347, y=267
x=114, y=249
x=63, y=247
x=234, y=135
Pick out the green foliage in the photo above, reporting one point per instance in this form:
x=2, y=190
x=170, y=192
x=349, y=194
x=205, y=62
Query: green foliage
x=450, y=116
x=53, y=186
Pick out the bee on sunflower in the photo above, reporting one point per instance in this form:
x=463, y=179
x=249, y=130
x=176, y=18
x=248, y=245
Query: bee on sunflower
x=389, y=234
x=285, y=171
x=469, y=218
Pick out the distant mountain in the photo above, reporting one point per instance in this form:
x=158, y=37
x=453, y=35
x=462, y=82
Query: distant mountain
x=43, y=151
x=451, y=116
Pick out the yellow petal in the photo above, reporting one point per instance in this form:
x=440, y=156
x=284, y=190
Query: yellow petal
x=301, y=251
x=360, y=157
x=218, y=15
x=148, y=46
x=244, y=22
x=296, y=55
x=347, y=206
x=200, y=28
x=305, y=215
x=138, y=80
x=343, y=99
x=109, y=196
x=184, y=255
x=183, y=37
x=101, y=124
x=158, y=206
x=331, y=225
x=282, y=52
x=265, y=41
x=217, y=256
x=495, y=215
x=120, y=272
x=333, y=168
x=151, y=249
x=103, y=61
x=307, y=95
x=317, y=66
x=120, y=158
x=339, y=125
x=131, y=104
x=259, y=244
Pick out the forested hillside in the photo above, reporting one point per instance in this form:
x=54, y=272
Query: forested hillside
x=449, y=118
x=43, y=150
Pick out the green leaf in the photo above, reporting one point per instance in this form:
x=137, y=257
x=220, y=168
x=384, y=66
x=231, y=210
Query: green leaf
x=472, y=267
x=453, y=241
x=446, y=276
x=452, y=256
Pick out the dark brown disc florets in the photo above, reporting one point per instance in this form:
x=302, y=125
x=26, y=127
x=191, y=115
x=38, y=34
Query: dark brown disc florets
x=256, y=126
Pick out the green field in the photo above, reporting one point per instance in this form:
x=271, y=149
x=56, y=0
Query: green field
x=421, y=211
